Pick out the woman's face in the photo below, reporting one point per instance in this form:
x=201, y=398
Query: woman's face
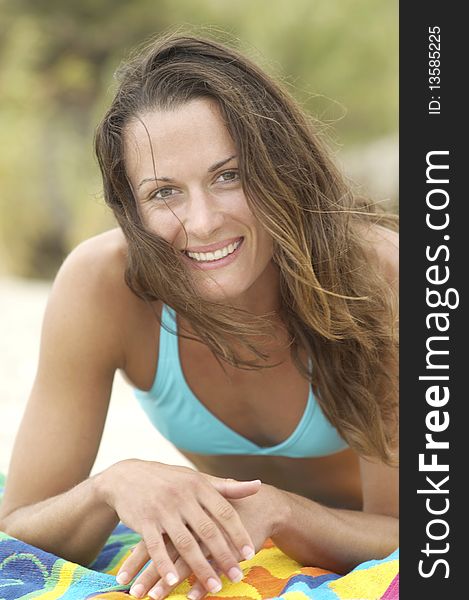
x=183, y=169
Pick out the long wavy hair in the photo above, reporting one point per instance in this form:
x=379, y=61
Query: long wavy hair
x=335, y=305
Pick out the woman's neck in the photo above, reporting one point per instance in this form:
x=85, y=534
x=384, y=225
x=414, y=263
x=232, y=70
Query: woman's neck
x=263, y=297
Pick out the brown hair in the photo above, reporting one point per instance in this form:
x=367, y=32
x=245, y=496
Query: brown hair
x=335, y=305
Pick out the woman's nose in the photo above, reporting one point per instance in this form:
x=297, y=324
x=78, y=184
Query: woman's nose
x=203, y=217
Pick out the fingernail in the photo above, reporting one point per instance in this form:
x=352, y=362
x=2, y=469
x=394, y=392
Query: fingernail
x=156, y=593
x=171, y=579
x=235, y=574
x=137, y=590
x=247, y=552
x=213, y=585
x=194, y=595
x=122, y=578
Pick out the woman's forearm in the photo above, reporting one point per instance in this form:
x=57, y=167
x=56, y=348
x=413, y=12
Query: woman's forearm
x=73, y=525
x=333, y=539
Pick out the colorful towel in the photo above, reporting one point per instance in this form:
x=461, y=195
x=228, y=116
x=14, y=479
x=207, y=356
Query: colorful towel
x=27, y=572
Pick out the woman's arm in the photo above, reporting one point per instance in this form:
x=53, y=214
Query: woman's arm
x=74, y=525
x=338, y=539
x=49, y=502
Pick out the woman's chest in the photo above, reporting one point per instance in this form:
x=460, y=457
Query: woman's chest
x=265, y=406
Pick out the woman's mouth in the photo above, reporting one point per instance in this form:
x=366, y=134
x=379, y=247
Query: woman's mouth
x=218, y=258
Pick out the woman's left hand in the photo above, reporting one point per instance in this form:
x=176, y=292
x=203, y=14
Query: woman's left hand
x=259, y=514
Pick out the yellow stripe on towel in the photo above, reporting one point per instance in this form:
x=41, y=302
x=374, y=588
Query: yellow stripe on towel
x=366, y=583
x=64, y=580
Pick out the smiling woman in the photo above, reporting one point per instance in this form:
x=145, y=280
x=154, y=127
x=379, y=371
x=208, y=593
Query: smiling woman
x=249, y=298
x=195, y=201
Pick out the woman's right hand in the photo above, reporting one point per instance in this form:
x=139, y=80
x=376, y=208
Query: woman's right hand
x=191, y=508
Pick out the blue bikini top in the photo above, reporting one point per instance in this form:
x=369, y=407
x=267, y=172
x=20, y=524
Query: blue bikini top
x=180, y=417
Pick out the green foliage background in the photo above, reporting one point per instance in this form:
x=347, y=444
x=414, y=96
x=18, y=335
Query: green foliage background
x=57, y=58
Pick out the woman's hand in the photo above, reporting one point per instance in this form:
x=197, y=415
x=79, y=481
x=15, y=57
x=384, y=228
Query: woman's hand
x=187, y=507
x=260, y=514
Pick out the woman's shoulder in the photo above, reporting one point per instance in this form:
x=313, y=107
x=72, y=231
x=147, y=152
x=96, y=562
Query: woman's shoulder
x=99, y=253
x=97, y=265
x=92, y=279
x=94, y=270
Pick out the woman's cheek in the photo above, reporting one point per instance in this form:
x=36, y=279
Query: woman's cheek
x=163, y=225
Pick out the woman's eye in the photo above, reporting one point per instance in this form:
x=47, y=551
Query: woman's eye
x=228, y=176
x=163, y=193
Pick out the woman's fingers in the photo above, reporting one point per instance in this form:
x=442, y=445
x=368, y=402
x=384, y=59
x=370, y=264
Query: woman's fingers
x=211, y=537
x=149, y=581
x=197, y=591
x=132, y=564
x=231, y=488
x=150, y=576
x=158, y=552
x=161, y=589
x=189, y=549
x=138, y=559
x=226, y=516
x=146, y=580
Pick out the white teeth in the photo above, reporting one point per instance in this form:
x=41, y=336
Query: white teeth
x=221, y=253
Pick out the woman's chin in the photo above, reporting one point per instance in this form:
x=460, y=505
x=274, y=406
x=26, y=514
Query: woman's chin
x=221, y=293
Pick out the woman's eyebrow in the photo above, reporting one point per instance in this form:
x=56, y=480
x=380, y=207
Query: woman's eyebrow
x=220, y=163
x=214, y=167
x=148, y=179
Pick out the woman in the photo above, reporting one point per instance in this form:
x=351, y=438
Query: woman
x=249, y=298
